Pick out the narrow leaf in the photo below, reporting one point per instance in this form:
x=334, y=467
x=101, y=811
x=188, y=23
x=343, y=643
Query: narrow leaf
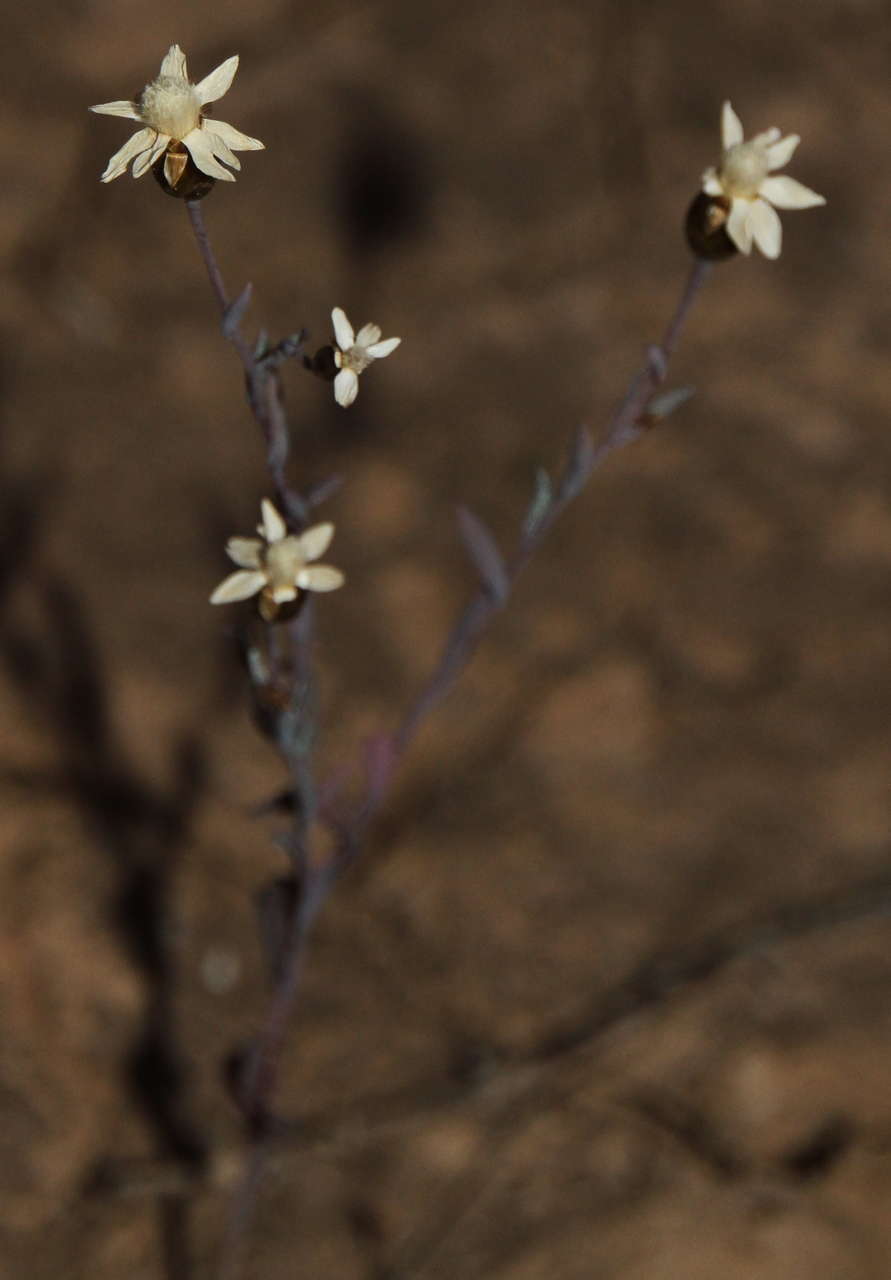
x=541, y=501
x=234, y=313
x=657, y=361
x=324, y=490
x=483, y=551
x=662, y=405
x=579, y=464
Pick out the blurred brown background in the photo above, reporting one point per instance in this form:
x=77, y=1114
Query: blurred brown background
x=611, y=994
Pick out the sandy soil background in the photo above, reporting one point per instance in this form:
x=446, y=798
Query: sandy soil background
x=610, y=995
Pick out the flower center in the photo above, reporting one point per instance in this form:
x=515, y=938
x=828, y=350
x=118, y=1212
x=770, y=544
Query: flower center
x=170, y=105
x=743, y=169
x=284, y=560
x=357, y=359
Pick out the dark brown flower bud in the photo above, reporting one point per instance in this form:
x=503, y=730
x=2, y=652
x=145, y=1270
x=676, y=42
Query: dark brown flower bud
x=322, y=364
x=705, y=227
x=177, y=174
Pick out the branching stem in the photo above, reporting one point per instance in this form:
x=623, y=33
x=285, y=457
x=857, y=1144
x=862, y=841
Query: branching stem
x=313, y=878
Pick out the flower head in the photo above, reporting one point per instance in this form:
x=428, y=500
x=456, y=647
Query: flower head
x=277, y=564
x=744, y=179
x=355, y=352
x=171, y=112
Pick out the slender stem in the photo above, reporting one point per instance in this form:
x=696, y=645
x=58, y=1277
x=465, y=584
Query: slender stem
x=262, y=1075
x=263, y=384
x=196, y=217
x=623, y=428
x=293, y=676
x=215, y=275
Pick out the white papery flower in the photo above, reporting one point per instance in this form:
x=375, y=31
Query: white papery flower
x=356, y=351
x=170, y=109
x=277, y=564
x=744, y=179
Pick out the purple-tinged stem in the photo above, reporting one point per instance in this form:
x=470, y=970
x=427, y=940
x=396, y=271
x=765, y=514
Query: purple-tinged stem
x=263, y=384
x=626, y=425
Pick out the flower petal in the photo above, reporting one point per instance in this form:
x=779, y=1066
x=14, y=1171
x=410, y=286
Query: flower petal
x=213, y=86
x=316, y=541
x=737, y=225
x=127, y=109
x=284, y=592
x=233, y=137
x=368, y=334
x=346, y=387
x=219, y=147
x=174, y=63
x=245, y=552
x=768, y=138
x=381, y=349
x=239, y=586
x=780, y=153
x=141, y=141
x=787, y=193
x=343, y=330
x=731, y=127
x=200, y=149
x=766, y=228
x=148, y=158
x=320, y=577
x=711, y=183
x=273, y=527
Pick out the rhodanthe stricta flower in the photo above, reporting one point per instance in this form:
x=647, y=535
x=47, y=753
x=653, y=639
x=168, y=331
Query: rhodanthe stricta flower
x=171, y=112
x=278, y=565
x=745, y=178
x=355, y=352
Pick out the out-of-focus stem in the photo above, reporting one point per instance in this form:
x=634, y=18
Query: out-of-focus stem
x=624, y=426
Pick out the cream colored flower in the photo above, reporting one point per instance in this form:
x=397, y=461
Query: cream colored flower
x=744, y=178
x=170, y=111
x=277, y=564
x=356, y=352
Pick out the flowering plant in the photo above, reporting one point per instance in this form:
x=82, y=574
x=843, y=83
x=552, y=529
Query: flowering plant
x=329, y=823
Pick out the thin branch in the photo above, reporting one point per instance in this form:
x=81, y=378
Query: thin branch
x=262, y=380
x=628, y=423
x=292, y=684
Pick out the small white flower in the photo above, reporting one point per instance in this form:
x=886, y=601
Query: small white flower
x=744, y=178
x=170, y=111
x=277, y=564
x=355, y=353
